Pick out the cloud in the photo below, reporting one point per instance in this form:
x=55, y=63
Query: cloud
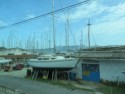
x=113, y=21
x=96, y=9
x=85, y=11
x=46, y=29
x=2, y=23
x=107, y=21
x=109, y=27
x=29, y=16
x=114, y=13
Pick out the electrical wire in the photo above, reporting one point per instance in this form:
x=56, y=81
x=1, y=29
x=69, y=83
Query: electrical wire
x=46, y=14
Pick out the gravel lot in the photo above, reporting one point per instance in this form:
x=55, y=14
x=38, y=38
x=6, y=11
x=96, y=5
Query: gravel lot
x=15, y=80
x=35, y=87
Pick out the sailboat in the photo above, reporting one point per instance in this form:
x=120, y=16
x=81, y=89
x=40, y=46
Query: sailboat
x=4, y=61
x=53, y=61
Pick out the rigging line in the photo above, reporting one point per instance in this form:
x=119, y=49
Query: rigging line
x=46, y=14
x=72, y=34
x=67, y=20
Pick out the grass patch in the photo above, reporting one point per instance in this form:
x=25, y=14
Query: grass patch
x=69, y=85
x=105, y=89
x=101, y=87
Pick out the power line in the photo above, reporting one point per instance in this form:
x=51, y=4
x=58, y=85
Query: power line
x=46, y=14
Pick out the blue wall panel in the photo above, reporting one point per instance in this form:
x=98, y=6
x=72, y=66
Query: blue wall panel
x=91, y=72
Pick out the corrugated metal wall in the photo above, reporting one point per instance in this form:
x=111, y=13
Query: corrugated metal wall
x=112, y=71
x=109, y=70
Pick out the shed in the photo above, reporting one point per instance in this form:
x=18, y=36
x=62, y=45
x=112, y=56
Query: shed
x=102, y=65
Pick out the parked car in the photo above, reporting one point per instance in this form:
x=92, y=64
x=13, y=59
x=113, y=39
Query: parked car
x=18, y=67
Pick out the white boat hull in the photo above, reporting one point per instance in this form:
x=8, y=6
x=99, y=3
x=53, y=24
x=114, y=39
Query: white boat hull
x=5, y=61
x=54, y=64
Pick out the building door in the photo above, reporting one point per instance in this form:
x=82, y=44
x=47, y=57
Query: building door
x=91, y=72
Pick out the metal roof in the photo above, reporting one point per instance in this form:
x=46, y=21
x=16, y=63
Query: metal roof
x=102, y=52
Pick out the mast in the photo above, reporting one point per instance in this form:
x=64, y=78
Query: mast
x=89, y=33
x=41, y=41
x=66, y=35
x=37, y=45
x=81, y=41
x=54, y=42
x=60, y=40
x=68, y=31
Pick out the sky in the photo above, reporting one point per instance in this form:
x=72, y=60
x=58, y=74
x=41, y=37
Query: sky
x=107, y=18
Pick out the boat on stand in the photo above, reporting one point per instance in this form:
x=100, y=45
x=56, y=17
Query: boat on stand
x=52, y=62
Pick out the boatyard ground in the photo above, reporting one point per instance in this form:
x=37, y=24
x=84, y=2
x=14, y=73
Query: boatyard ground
x=17, y=80
x=36, y=87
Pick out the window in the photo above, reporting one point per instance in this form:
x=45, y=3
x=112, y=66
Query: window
x=53, y=58
x=40, y=59
x=45, y=58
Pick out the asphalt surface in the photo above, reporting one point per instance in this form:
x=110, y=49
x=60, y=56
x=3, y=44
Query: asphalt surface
x=36, y=87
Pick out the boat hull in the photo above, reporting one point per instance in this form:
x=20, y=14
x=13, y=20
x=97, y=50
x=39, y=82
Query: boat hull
x=54, y=64
x=5, y=61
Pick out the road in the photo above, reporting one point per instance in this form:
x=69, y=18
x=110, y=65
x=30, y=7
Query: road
x=36, y=87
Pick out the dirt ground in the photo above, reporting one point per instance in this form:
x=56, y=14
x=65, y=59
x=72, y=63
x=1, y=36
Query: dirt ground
x=36, y=87
x=16, y=80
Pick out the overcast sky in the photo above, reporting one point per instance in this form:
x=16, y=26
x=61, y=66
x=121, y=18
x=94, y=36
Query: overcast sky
x=107, y=19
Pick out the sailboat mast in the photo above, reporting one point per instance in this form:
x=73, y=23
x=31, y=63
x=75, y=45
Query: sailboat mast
x=54, y=42
x=81, y=41
x=89, y=33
